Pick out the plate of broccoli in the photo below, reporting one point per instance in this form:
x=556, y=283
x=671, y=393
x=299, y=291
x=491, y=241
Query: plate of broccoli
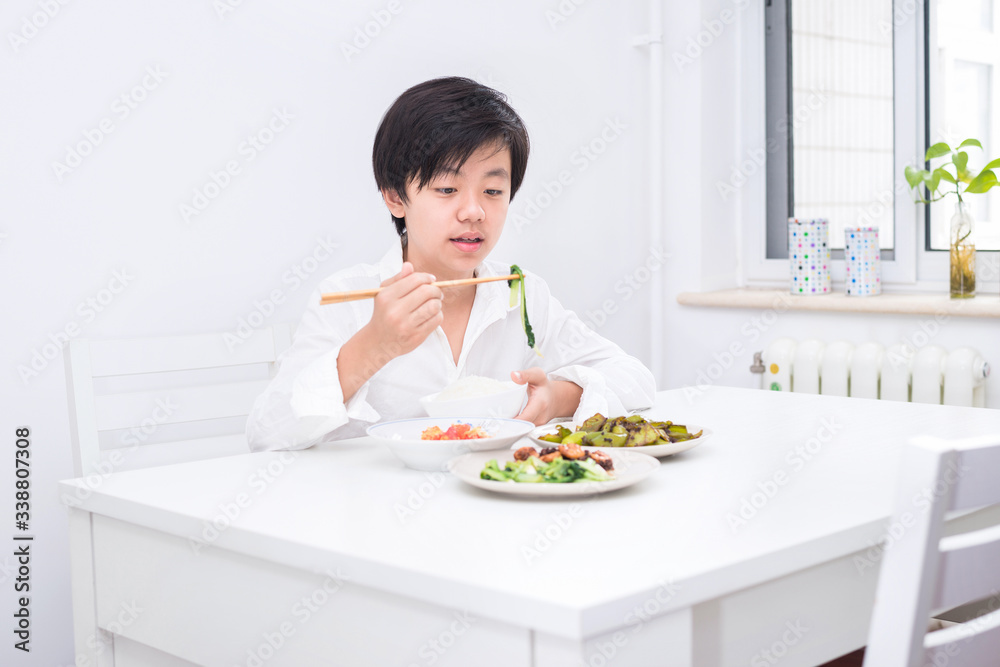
x=574, y=472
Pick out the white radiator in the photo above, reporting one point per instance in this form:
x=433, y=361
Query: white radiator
x=930, y=374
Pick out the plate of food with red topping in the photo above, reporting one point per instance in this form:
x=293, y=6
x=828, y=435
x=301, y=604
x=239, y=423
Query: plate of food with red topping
x=429, y=443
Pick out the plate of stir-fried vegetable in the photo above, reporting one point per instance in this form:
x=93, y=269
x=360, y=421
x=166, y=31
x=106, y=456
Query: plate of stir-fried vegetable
x=652, y=437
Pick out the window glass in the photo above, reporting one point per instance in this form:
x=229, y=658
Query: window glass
x=842, y=114
x=963, y=69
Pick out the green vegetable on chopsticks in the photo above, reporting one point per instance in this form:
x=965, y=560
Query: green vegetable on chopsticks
x=514, y=268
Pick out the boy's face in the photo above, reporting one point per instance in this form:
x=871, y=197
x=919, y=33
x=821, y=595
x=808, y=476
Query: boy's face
x=454, y=222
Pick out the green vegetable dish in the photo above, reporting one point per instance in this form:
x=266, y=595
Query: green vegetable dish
x=634, y=431
x=515, y=269
x=565, y=465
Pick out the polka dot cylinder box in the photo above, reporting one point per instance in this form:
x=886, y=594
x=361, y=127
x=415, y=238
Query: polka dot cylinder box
x=809, y=256
x=863, y=261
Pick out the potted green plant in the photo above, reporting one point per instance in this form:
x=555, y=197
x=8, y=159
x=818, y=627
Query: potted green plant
x=948, y=178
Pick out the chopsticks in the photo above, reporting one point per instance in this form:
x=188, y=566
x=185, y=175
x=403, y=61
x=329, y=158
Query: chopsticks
x=341, y=297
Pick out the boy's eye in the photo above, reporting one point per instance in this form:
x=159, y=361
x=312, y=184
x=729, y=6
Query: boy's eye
x=494, y=192
x=446, y=191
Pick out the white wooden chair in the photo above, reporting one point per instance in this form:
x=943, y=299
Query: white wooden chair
x=142, y=402
x=925, y=571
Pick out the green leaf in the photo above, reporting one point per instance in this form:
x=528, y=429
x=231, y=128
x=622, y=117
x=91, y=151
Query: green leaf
x=937, y=150
x=514, y=268
x=945, y=175
x=992, y=165
x=983, y=182
x=914, y=176
x=970, y=142
x=524, y=318
x=513, y=288
x=935, y=179
x=961, y=161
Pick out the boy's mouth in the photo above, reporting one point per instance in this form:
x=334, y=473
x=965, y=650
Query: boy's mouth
x=468, y=242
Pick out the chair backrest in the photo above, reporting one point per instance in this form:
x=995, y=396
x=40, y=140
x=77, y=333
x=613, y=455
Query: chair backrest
x=924, y=571
x=142, y=402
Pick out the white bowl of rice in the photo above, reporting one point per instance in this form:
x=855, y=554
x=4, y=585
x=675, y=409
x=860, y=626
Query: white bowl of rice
x=475, y=396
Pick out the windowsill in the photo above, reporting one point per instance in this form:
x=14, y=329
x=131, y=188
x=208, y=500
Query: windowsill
x=903, y=304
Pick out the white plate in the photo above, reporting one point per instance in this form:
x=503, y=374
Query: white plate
x=630, y=467
x=666, y=449
x=402, y=437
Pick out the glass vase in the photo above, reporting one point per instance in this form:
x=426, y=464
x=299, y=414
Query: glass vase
x=963, y=253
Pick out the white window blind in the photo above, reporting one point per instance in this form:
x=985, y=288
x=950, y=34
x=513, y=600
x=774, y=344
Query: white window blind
x=842, y=153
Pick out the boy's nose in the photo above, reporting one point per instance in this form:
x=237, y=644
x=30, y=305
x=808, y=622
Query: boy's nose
x=471, y=209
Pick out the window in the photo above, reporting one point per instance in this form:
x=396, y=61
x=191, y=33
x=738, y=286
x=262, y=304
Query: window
x=964, y=63
x=831, y=113
x=944, y=87
x=869, y=63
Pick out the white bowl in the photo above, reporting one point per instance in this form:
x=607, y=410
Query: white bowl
x=501, y=405
x=402, y=437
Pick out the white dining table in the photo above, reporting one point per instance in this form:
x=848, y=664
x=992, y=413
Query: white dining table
x=759, y=546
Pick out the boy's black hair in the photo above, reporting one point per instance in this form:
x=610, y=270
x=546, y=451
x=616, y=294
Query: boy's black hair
x=438, y=124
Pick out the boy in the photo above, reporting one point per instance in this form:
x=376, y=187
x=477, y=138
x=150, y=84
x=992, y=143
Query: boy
x=449, y=156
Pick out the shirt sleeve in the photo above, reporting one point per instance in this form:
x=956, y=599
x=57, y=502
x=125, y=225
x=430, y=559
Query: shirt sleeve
x=613, y=382
x=303, y=404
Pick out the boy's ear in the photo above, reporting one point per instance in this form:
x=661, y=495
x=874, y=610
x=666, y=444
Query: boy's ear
x=394, y=203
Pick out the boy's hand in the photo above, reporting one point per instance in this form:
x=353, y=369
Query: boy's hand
x=407, y=310
x=547, y=399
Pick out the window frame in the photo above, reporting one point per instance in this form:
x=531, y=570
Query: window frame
x=933, y=263
x=973, y=53
x=909, y=132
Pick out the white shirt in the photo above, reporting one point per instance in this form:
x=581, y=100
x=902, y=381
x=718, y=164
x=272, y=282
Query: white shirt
x=303, y=405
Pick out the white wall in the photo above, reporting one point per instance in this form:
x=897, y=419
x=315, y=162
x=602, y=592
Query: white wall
x=220, y=78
